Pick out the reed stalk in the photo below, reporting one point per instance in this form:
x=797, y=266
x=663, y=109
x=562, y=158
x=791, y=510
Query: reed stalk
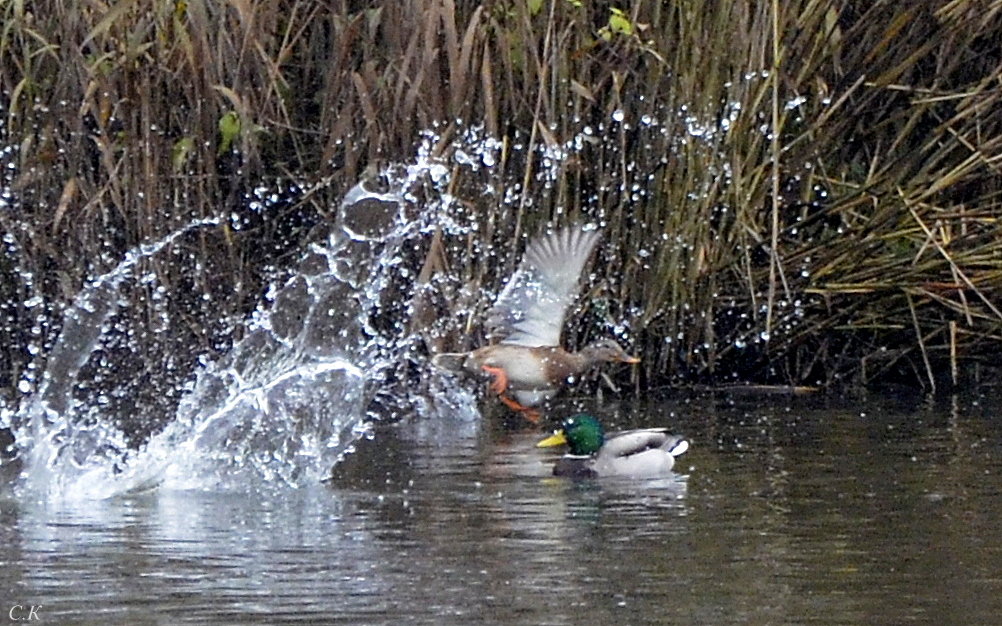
x=793, y=192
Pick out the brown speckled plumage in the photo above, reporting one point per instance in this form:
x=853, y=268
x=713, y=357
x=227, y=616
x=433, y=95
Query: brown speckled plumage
x=528, y=362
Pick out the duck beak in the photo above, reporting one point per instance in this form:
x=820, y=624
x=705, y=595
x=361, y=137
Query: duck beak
x=556, y=439
x=632, y=360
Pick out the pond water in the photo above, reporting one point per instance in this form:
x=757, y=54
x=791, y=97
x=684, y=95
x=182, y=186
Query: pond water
x=785, y=510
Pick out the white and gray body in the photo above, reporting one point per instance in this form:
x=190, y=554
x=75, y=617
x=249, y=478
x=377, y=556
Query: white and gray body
x=643, y=453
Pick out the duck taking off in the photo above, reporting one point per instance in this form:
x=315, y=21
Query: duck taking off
x=528, y=365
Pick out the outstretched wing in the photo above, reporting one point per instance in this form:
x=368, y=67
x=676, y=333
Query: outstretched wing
x=533, y=305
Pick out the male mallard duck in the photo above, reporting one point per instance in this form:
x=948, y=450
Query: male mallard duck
x=528, y=316
x=643, y=453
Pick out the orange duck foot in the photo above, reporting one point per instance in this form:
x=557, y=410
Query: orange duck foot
x=530, y=414
x=499, y=382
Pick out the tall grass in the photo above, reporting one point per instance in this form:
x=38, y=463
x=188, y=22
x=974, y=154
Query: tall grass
x=793, y=192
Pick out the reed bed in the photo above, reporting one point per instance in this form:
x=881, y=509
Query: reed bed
x=801, y=193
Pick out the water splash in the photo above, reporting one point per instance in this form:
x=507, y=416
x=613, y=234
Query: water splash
x=283, y=406
x=49, y=427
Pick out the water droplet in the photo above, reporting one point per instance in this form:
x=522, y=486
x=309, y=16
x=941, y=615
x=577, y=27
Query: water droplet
x=796, y=102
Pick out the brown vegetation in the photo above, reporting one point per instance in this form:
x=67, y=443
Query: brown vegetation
x=799, y=192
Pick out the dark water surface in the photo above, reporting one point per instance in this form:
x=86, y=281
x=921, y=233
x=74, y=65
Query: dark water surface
x=785, y=510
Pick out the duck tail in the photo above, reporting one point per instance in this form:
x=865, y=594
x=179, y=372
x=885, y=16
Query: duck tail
x=678, y=448
x=450, y=361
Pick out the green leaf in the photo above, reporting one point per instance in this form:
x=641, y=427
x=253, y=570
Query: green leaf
x=180, y=152
x=534, y=6
x=229, y=129
x=619, y=23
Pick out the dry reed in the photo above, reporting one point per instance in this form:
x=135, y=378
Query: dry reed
x=801, y=192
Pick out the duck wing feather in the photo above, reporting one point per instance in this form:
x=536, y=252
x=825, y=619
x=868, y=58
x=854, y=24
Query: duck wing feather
x=630, y=442
x=533, y=305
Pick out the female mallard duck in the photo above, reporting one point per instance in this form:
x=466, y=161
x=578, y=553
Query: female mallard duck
x=529, y=362
x=643, y=453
